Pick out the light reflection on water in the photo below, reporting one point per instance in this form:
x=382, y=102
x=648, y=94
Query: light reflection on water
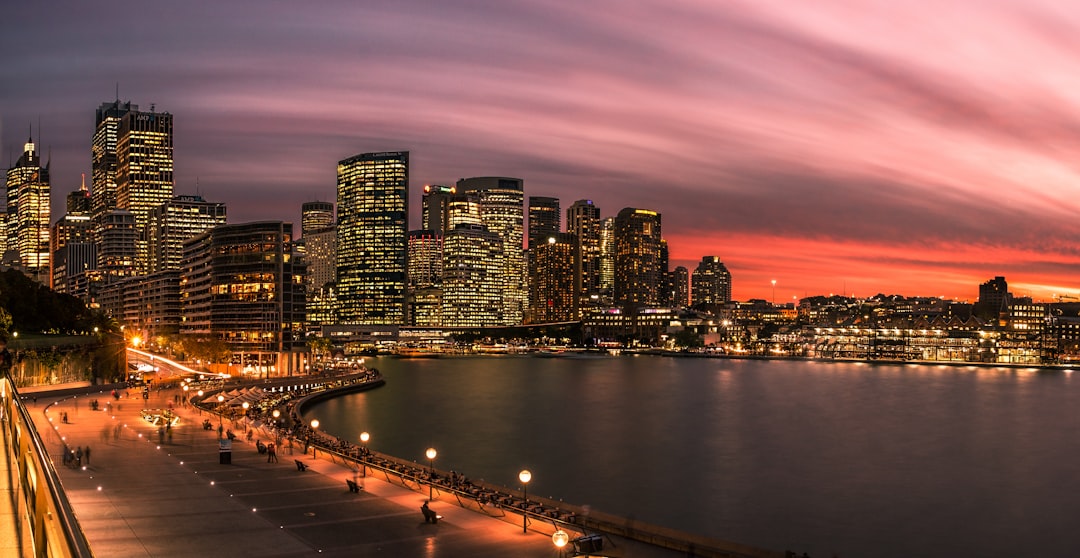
x=853, y=459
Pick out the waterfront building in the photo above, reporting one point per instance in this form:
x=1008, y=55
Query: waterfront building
x=28, y=192
x=175, y=221
x=473, y=278
x=116, y=238
x=147, y=304
x=315, y=216
x=552, y=297
x=544, y=218
x=711, y=282
x=425, y=277
x=583, y=221
x=502, y=203
x=103, y=175
x=637, y=257
x=435, y=206
x=144, y=170
x=994, y=297
x=372, y=238
x=680, y=279
x=240, y=284
x=320, y=260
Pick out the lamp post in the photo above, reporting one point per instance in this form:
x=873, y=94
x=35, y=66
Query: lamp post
x=431, y=453
x=560, y=538
x=364, y=437
x=525, y=476
x=314, y=427
x=220, y=401
x=277, y=414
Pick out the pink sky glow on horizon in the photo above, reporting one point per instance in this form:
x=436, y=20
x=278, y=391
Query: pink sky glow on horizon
x=835, y=146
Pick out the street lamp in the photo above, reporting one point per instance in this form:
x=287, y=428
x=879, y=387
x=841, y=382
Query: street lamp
x=314, y=427
x=525, y=476
x=220, y=401
x=276, y=414
x=774, y=292
x=431, y=453
x=560, y=538
x=364, y=437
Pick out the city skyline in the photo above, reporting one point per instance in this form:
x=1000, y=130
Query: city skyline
x=835, y=149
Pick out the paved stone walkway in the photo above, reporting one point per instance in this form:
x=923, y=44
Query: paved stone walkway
x=143, y=494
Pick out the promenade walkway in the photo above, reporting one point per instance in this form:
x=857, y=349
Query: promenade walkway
x=143, y=494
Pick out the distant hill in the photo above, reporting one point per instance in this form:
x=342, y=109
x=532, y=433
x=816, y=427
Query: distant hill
x=35, y=308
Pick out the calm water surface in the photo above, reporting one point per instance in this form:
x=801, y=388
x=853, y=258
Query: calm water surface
x=842, y=458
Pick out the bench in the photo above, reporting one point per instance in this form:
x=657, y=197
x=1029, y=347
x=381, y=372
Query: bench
x=300, y=465
x=353, y=487
x=429, y=515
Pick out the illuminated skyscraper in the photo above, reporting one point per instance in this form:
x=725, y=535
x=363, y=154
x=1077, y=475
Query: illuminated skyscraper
x=28, y=213
x=175, y=221
x=78, y=201
x=144, y=170
x=72, y=249
x=116, y=238
x=681, y=279
x=372, y=238
x=552, y=297
x=425, y=278
x=103, y=155
x=320, y=255
x=607, y=259
x=462, y=209
x=544, y=218
x=473, y=277
x=435, y=206
x=583, y=221
x=315, y=215
x=502, y=211
x=637, y=257
x=711, y=282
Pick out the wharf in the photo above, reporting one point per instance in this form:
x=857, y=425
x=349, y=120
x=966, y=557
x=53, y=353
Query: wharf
x=145, y=494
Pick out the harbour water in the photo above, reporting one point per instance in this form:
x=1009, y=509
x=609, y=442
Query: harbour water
x=827, y=458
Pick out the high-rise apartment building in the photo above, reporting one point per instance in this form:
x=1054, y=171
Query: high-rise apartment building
x=681, y=279
x=28, y=212
x=607, y=259
x=474, y=277
x=315, y=216
x=240, y=284
x=502, y=211
x=103, y=176
x=116, y=238
x=552, y=297
x=320, y=257
x=435, y=205
x=372, y=238
x=72, y=248
x=144, y=170
x=637, y=257
x=544, y=218
x=711, y=282
x=175, y=221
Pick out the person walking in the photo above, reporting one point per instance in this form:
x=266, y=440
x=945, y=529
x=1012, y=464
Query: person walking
x=86, y=454
x=271, y=453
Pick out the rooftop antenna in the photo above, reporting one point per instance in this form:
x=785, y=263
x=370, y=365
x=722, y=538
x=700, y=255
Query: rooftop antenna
x=118, y=93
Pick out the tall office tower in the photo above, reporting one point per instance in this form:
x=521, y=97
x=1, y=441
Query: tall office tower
x=28, y=212
x=552, y=297
x=502, y=211
x=315, y=216
x=78, y=201
x=666, y=293
x=239, y=284
x=637, y=257
x=711, y=282
x=320, y=256
x=462, y=209
x=474, y=277
x=175, y=221
x=72, y=247
x=144, y=170
x=372, y=238
x=583, y=221
x=103, y=155
x=116, y=238
x=607, y=259
x=544, y=218
x=425, y=278
x=435, y=205
x=681, y=279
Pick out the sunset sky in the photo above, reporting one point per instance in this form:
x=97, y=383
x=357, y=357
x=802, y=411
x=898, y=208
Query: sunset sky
x=835, y=146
